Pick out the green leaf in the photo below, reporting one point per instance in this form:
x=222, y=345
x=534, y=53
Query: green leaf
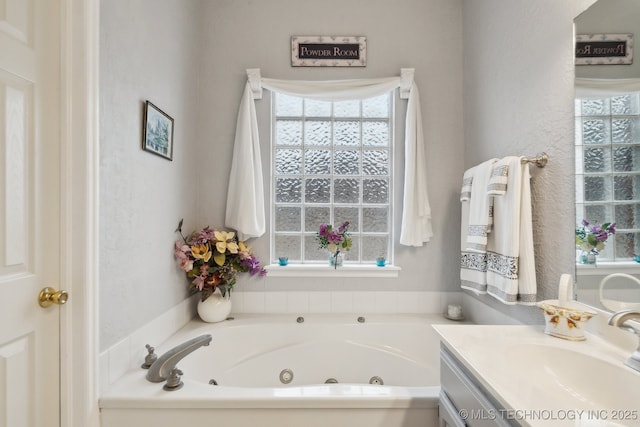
x=218, y=258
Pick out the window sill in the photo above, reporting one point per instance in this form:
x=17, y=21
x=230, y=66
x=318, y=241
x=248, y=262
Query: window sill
x=310, y=270
x=603, y=268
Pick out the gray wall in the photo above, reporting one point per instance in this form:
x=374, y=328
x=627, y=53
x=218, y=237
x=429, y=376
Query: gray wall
x=518, y=93
x=149, y=50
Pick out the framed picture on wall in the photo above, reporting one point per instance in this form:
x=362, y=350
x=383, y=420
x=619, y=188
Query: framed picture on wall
x=158, y=131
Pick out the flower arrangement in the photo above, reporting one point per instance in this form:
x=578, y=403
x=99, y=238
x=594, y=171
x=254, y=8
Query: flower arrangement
x=334, y=240
x=592, y=237
x=212, y=259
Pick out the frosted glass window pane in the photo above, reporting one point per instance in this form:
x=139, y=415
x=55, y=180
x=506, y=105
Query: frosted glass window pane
x=597, y=188
x=625, y=105
x=346, y=191
x=375, y=134
x=375, y=162
x=625, y=245
x=347, y=162
x=288, y=106
x=622, y=130
x=317, y=190
x=288, y=161
x=623, y=159
x=375, y=219
x=314, y=216
x=312, y=251
x=342, y=214
x=288, y=132
x=597, y=159
x=289, y=246
x=317, y=162
x=627, y=216
x=595, y=107
x=376, y=107
x=317, y=132
x=346, y=133
x=374, y=247
x=375, y=191
x=626, y=187
x=288, y=218
x=346, y=109
x=313, y=108
x=595, y=131
x=597, y=214
x=288, y=190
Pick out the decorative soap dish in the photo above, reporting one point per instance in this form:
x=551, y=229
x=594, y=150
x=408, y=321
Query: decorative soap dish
x=566, y=320
x=564, y=317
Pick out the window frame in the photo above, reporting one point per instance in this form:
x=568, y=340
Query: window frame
x=359, y=268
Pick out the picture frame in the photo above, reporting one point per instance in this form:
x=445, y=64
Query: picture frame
x=157, y=131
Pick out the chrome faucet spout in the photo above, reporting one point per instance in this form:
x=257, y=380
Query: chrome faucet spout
x=160, y=369
x=619, y=320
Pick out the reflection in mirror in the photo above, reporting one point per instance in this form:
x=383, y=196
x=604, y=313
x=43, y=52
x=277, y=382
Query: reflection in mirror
x=608, y=165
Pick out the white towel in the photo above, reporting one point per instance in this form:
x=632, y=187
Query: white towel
x=498, y=181
x=467, y=182
x=473, y=265
x=511, y=275
x=480, y=208
x=245, y=195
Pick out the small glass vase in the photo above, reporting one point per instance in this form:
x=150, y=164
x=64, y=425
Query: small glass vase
x=588, y=257
x=336, y=260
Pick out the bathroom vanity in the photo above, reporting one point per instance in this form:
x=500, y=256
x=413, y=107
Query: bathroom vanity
x=515, y=375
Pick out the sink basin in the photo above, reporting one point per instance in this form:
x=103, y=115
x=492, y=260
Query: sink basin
x=590, y=382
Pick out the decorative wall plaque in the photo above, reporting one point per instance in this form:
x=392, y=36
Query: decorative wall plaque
x=604, y=49
x=328, y=51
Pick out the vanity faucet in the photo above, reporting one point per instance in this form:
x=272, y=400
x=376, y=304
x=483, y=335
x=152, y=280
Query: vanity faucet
x=620, y=320
x=160, y=369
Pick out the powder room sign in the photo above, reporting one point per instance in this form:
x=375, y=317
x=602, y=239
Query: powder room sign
x=604, y=49
x=328, y=51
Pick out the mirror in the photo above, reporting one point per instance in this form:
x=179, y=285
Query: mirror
x=609, y=131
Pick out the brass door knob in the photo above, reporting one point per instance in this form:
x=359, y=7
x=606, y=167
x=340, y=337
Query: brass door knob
x=50, y=296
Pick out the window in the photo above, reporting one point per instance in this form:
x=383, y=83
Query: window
x=608, y=170
x=331, y=162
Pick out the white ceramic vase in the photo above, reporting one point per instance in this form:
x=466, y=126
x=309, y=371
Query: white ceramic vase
x=216, y=308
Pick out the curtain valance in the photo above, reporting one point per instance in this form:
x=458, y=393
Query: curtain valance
x=245, y=200
x=602, y=88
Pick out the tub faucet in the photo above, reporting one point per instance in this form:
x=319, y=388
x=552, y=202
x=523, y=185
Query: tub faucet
x=160, y=369
x=619, y=320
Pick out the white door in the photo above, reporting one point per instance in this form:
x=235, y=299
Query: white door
x=29, y=212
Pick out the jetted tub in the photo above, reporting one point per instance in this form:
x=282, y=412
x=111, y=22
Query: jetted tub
x=251, y=355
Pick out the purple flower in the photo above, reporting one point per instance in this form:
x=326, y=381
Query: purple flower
x=323, y=230
x=343, y=227
x=334, y=237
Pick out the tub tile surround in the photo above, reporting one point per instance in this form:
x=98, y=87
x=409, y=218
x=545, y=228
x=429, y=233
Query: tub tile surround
x=129, y=353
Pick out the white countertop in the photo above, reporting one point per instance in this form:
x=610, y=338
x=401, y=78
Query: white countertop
x=545, y=381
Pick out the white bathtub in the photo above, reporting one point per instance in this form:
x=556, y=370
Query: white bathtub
x=248, y=354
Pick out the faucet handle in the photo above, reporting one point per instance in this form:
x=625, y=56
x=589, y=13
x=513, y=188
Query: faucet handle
x=150, y=357
x=174, y=382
